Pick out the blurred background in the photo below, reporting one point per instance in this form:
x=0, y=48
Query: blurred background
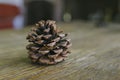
x=17, y=14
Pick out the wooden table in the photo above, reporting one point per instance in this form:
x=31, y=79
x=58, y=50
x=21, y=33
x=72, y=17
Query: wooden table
x=95, y=55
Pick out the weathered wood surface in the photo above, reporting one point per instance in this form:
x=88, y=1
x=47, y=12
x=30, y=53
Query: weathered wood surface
x=95, y=55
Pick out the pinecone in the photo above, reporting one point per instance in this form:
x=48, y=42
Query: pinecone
x=48, y=45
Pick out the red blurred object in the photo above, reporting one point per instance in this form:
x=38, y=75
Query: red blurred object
x=7, y=14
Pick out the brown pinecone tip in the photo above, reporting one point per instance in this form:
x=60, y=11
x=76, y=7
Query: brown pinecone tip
x=48, y=45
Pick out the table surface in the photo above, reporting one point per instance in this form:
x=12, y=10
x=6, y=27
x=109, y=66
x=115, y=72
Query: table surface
x=95, y=55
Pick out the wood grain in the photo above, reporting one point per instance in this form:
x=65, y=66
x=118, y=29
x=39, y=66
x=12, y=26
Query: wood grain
x=95, y=55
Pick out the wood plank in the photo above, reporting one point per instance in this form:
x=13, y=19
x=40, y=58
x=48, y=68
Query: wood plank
x=95, y=55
